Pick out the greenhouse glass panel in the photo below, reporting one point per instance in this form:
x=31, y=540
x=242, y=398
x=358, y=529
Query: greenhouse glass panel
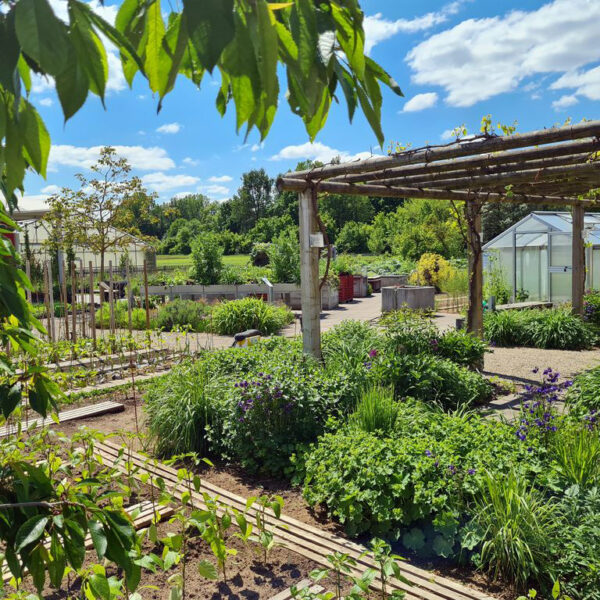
x=560, y=255
x=561, y=287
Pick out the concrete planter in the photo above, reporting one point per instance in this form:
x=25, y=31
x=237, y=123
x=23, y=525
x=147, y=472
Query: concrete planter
x=360, y=286
x=415, y=297
x=286, y=293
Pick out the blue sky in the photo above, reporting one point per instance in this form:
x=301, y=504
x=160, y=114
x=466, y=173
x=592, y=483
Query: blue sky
x=532, y=61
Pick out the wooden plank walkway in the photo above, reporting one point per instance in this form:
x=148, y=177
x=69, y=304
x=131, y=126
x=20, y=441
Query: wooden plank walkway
x=83, y=412
x=300, y=537
x=145, y=514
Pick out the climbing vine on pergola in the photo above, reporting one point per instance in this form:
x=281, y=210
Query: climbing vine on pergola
x=555, y=166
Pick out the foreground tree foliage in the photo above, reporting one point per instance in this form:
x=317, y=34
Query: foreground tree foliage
x=320, y=46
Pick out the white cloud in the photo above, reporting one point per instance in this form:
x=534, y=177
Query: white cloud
x=315, y=151
x=420, y=102
x=169, y=128
x=46, y=102
x=220, y=179
x=257, y=147
x=564, y=102
x=447, y=135
x=161, y=182
x=51, y=189
x=378, y=29
x=139, y=157
x=215, y=192
x=191, y=162
x=480, y=58
x=585, y=83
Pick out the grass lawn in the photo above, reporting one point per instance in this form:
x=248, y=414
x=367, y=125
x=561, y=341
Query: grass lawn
x=183, y=260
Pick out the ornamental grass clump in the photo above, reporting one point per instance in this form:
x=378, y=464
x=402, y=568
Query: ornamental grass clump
x=377, y=410
x=514, y=525
x=235, y=316
x=185, y=314
x=584, y=397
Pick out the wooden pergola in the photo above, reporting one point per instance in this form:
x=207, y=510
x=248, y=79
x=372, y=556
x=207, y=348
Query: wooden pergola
x=555, y=166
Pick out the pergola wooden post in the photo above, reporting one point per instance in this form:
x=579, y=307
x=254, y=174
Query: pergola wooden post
x=475, y=260
x=556, y=166
x=309, y=276
x=577, y=261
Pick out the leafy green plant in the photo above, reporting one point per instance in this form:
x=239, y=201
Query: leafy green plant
x=387, y=567
x=513, y=524
x=495, y=280
x=264, y=536
x=584, y=396
x=377, y=410
x=232, y=317
x=576, y=450
x=207, y=259
x=284, y=257
x=183, y=313
x=461, y=347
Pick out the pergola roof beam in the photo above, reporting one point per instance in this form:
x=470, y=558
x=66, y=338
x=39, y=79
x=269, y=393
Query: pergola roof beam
x=479, y=145
x=571, y=159
x=336, y=187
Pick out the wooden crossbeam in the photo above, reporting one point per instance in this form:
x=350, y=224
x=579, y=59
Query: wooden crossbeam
x=468, y=147
x=565, y=150
x=408, y=192
x=83, y=412
x=299, y=537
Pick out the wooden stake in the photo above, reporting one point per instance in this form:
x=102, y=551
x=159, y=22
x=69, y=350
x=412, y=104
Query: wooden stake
x=475, y=310
x=129, y=296
x=146, y=295
x=64, y=294
x=47, y=302
x=111, y=297
x=51, y=301
x=578, y=261
x=309, y=276
x=74, y=302
x=82, y=280
x=92, y=306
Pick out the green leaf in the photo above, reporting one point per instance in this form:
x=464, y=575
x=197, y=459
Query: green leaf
x=266, y=51
x=72, y=86
x=99, y=585
x=155, y=27
x=373, y=117
x=207, y=570
x=43, y=37
x=351, y=39
x=98, y=537
x=210, y=27
x=91, y=53
x=9, y=51
x=10, y=397
x=348, y=87
x=304, y=31
x=442, y=546
x=56, y=567
x=414, y=539
x=31, y=531
x=36, y=138
x=37, y=567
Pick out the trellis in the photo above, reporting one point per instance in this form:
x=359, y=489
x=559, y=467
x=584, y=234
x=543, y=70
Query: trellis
x=555, y=166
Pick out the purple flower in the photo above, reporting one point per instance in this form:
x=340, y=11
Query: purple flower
x=427, y=452
x=452, y=469
x=373, y=353
x=535, y=370
x=471, y=471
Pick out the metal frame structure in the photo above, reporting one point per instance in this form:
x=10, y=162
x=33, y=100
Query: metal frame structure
x=555, y=166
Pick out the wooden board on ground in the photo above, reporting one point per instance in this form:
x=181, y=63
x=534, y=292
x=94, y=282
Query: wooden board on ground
x=299, y=537
x=83, y=412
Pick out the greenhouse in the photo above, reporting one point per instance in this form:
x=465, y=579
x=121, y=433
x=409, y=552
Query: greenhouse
x=535, y=256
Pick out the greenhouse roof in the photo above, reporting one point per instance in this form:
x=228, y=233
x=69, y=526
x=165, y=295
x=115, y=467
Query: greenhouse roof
x=553, y=166
x=532, y=230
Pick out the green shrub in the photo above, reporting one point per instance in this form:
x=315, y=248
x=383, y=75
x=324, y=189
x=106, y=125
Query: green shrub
x=284, y=257
x=181, y=409
x=353, y=237
x=207, y=259
x=513, y=524
x=185, y=314
x=138, y=316
x=591, y=308
x=424, y=472
x=377, y=410
x=232, y=317
x=539, y=328
x=434, y=380
x=461, y=347
x=584, y=395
